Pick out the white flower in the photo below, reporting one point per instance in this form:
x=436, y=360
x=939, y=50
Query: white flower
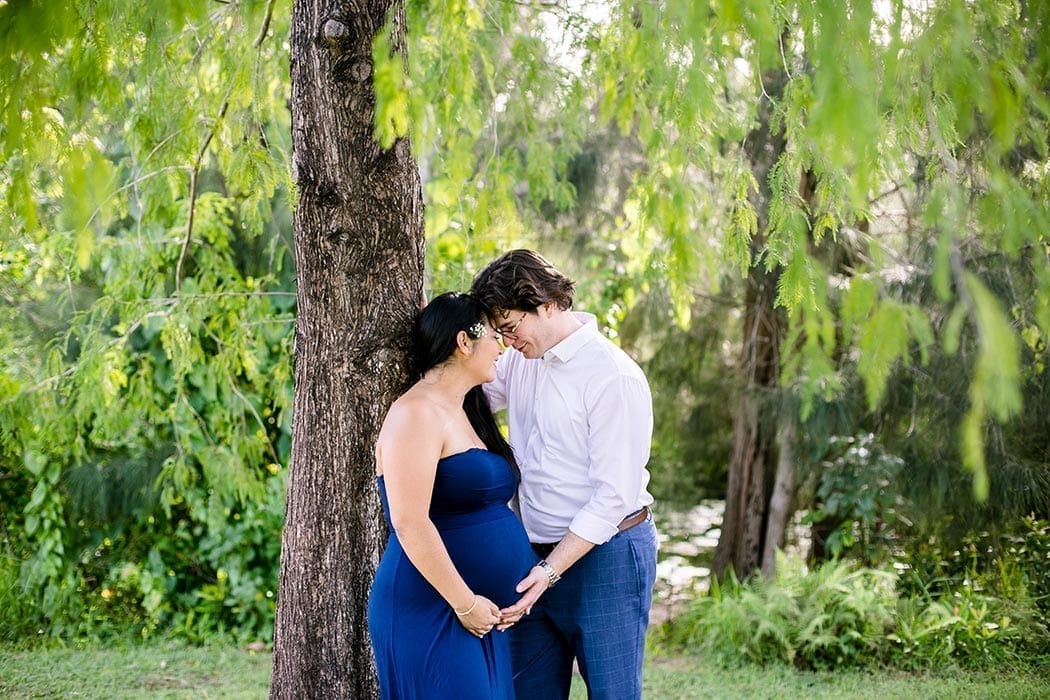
x=478, y=330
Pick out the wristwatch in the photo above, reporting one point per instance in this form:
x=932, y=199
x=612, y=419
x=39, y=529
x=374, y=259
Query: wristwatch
x=552, y=576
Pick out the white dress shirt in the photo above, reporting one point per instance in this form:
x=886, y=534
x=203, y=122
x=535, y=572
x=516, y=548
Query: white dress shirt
x=581, y=423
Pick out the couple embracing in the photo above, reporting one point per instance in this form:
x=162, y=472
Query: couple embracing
x=471, y=598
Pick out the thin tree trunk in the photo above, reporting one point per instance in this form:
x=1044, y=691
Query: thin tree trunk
x=359, y=270
x=783, y=494
x=752, y=465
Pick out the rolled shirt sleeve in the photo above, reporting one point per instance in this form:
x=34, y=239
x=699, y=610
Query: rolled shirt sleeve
x=619, y=431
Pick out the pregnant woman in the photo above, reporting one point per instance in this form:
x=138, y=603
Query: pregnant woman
x=456, y=550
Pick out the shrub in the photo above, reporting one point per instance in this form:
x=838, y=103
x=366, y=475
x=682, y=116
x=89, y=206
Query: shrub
x=997, y=584
x=207, y=569
x=836, y=614
x=856, y=495
x=841, y=614
x=20, y=617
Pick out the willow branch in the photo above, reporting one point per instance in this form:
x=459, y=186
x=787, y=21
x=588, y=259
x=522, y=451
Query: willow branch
x=265, y=25
x=194, y=176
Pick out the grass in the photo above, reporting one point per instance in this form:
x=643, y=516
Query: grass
x=174, y=671
x=685, y=678
x=158, y=671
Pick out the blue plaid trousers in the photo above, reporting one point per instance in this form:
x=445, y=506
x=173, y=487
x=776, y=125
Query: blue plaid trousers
x=597, y=614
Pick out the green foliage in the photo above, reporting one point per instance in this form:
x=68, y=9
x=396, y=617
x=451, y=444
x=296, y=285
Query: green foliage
x=834, y=616
x=842, y=616
x=995, y=388
x=146, y=365
x=1011, y=564
x=857, y=490
x=392, y=98
x=20, y=617
x=210, y=571
x=924, y=411
x=991, y=596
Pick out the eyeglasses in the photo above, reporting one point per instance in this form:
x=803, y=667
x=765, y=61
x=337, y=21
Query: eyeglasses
x=502, y=333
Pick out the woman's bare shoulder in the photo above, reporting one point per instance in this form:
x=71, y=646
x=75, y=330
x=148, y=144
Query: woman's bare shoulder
x=412, y=406
x=412, y=419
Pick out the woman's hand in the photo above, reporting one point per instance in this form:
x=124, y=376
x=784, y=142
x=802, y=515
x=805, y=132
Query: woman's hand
x=480, y=618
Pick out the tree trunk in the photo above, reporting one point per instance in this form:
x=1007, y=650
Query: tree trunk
x=783, y=495
x=752, y=463
x=359, y=271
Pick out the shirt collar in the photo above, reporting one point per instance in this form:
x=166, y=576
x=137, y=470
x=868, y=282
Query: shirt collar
x=571, y=344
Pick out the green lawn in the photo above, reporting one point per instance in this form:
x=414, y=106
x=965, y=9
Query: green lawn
x=220, y=672
x=135, y=672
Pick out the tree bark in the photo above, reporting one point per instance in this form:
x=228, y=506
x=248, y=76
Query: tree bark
x=359, y=271
x=783, y=494
x=752, y=464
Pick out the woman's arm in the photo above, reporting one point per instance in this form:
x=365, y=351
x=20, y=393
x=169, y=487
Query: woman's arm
x=410, y=444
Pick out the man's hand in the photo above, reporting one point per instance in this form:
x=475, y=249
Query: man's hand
x=532, y=586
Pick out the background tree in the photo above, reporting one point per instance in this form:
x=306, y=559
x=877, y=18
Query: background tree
x=359, y=262
x=754, y=458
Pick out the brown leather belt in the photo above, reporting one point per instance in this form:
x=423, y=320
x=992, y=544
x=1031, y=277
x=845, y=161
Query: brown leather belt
x=638, y=517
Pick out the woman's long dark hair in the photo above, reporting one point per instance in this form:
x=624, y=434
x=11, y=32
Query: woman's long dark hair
x=433, y=342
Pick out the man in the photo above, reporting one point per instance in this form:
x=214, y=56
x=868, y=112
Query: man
x=580, y=416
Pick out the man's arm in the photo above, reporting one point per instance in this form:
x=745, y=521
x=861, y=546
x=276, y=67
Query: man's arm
x=619, y=436
x=569, y=551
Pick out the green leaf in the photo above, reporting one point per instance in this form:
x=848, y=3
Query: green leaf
x=392, y=100
x=952, y=333
x=921, y=331
x=883, y=340
x=972, y=436
x=857, y=304
x=996, y=382
x=35, y=463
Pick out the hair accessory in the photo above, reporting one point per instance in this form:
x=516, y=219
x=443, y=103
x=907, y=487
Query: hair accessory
x=478, y=330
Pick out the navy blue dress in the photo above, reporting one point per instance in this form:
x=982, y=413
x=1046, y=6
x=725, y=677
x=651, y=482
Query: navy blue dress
x=421, y=649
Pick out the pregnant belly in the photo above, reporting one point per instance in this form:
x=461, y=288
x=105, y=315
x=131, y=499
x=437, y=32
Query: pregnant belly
x=492, y=557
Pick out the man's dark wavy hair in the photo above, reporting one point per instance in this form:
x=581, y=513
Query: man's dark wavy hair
x=522, y=279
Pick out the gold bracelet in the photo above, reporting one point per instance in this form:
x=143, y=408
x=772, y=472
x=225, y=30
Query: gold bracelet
x=468, y=610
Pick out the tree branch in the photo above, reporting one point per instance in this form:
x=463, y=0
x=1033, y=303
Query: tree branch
x=265, y=25
x=194, y=175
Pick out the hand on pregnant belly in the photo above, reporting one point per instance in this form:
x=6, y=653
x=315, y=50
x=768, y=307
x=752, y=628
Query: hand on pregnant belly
x=492, y=558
